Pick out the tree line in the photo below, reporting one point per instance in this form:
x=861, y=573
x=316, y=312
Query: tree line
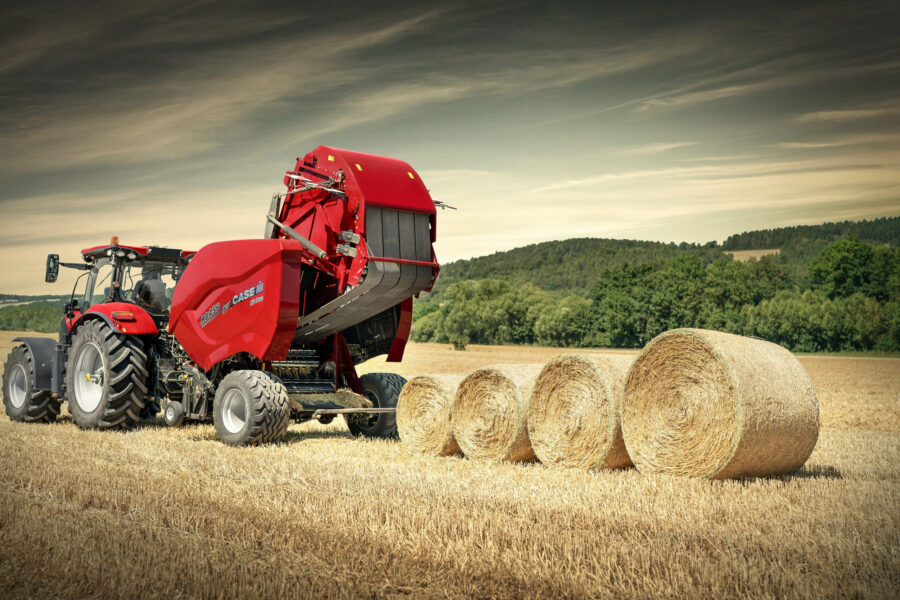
x=35, y=316
x=847, y=298
x=885, y=230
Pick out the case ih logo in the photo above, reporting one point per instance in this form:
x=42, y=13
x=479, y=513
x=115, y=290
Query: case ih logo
x=215, y=310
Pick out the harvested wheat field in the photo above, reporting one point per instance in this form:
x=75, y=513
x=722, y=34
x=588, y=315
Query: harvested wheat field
x=746, y=255
x=173, y=513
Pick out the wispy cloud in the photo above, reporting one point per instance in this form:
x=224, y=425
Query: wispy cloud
x=846, y=115
x=780, y=74
x=852, y=140
x=191, y=109
x=655, y=148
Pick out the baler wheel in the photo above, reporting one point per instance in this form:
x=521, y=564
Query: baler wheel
x=174, y=413
x=23, y=403
x=106, y=378
x=251, y=407
x=382, y=389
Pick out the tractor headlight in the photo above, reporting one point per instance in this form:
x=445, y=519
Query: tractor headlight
x=132, y=256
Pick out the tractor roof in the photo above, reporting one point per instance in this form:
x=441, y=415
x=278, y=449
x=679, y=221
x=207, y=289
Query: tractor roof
x=153, y=252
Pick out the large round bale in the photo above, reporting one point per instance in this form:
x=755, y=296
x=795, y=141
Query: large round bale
x=575, y=409
x=490, y=413
x=423, y=414
x=708, y=404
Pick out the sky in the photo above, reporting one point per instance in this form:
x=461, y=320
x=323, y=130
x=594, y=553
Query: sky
x=172, y=122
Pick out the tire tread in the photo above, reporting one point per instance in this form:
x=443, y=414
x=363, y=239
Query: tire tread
x=41, y=406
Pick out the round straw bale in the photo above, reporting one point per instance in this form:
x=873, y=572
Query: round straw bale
x=490, y=412
x=574, y=414
x=423, y=414
x=709, y=404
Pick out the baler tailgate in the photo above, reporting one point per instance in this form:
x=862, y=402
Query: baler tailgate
x=390, y=234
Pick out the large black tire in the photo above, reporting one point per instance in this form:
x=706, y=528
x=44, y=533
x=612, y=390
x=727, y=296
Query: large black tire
x=22, y=402
x=120, y=364
x=382, y=389
x=251, y=407
x=150, y=410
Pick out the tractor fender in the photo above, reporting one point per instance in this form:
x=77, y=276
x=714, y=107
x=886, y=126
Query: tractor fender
x=42, y=350
x=140, y=322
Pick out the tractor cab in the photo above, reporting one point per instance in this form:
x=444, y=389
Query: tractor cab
x=144, y=276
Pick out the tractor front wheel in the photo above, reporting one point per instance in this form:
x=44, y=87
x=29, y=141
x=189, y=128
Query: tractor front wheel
x=382, y=389
x=251, y=407
x=106, y=378
x=21, y=400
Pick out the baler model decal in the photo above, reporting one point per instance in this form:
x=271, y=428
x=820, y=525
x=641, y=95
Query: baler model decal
x=215, y=310
x=211, y=314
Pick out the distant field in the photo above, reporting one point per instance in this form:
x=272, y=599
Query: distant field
x=167, y=513
x=745, y=255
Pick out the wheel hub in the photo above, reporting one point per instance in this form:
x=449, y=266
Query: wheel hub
x=234, y=411
x=90, y=367
x=18, y=387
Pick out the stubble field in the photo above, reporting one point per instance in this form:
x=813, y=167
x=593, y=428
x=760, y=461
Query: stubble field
x=173, y=513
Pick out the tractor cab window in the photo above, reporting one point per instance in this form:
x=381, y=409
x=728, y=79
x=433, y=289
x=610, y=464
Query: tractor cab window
x=99, y=291
x=149, y=285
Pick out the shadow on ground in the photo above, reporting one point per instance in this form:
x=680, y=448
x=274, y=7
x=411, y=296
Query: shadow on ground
x=814, y=472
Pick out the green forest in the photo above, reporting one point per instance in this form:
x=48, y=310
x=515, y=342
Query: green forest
x=41, y=316
x=825, y=291
x=831, y=287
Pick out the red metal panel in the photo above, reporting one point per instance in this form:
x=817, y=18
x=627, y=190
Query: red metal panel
x=380, y=180
x=141, y=325
x=402, y=335
x=238, y=296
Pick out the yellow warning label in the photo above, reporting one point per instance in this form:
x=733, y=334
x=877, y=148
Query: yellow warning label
x=330, y=158
x=358, y=168
x=410, y=174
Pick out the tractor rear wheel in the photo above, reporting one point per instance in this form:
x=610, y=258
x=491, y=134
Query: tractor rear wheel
x=382, y=389
x=106, y=378
x=251, y=407
x=22, y=402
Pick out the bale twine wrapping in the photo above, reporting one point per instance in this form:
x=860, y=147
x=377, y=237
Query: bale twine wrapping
x=575, y=409
x=708, y=404
x=423, y=414
x=490, y=413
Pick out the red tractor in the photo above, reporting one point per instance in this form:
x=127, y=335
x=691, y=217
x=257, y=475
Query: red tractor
x=248, y=333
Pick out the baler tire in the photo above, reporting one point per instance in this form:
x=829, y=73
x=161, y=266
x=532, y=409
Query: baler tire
x=124, y=384
x=174, y=413
x=383, y=389
x=34, y=406
x=264, y=403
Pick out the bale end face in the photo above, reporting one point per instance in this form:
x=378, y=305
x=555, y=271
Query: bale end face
x=574, y=413
x=709, y=404
x=490, y=411
x=423, y=415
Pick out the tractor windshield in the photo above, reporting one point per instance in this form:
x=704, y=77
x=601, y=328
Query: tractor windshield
x=149, y=285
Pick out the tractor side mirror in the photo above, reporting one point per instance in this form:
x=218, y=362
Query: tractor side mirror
x=52, y=268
